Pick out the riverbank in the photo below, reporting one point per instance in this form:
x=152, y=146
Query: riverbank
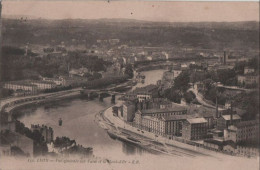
x=147, y=140
x=162, y=144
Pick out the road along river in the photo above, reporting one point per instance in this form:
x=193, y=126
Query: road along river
x=78, y=117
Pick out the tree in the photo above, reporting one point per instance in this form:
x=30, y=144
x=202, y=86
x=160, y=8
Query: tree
x=189, y=96
x=225, y=75
x=97, y=75
x=129, y=70
x=182, y=82
x=173, y=95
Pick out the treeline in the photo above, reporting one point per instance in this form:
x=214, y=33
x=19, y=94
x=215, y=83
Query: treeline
x=56, y=89
x=132, y=33
x=103, y=82
x=179, y=89
x=224, y=76
x=16, y=66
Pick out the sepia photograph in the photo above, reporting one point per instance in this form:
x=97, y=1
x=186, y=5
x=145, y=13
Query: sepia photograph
x=129, y=85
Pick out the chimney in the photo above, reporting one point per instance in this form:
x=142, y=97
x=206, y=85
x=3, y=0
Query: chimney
x=217, y=107
x=224, y=58
x=0, y=40
x=231, y=114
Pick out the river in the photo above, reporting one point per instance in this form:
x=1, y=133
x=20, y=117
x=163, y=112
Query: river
x=79, y=123
x=78, y=117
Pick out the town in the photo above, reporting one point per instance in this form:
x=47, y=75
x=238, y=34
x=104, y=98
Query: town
x=206, y=97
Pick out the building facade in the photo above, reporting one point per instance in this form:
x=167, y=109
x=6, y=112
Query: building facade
x=21, y=86
x=47, y=132
x=225, y=120
x=174, y=110
x=244, y=131
x=247, y=79
x=43, y=85
x=128, y=112
x=194, y=129
x=248, y=70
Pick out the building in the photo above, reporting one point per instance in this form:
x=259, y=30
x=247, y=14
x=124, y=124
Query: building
x=43, y=85
x=229, y=58
x=213, y=144
x=172, y=125
x=114, y=41
x=244, y=131
x=225, y=120
x=199, y=86
x=155, y=103
x=209, y=117
x=230, y=147
x=228, y=105
x=128, y=111
x=57, y=81
x=158, y=113
x=78, y=72
x=169, y=77
x=46, y=132
x=206, y=113
x=248, y=79
x=176, y=72
x=21, y=85
x=12, y=139
x=168, y=126
x=248, y=70
x=184, y=67
x=194, y=129
x=247, y=151
x=151, y=124
x=146, y=93
x=174, y=110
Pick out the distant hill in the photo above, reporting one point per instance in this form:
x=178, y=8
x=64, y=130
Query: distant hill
x=209, y=35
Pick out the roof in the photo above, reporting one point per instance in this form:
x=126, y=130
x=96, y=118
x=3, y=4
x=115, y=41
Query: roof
x=43, y=82
x=177, y=117
x=147, y=88
x=247, y=123
x=201, y=111
x=205, y=114
x=249, y=68
x=197, y=120
x=230, y=143
x=9, y=137
x=151, y=118
x=175, y=108
x=235, y=117
x=22, y=83
x=214, y=141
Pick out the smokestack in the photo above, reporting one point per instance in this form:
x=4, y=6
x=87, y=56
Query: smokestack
x=231, y=114
x=0, y=40
x=225, y=57
x=217, y=107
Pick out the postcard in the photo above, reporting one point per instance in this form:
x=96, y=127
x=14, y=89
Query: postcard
x=129, y=85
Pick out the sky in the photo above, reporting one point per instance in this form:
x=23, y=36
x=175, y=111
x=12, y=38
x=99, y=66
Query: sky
x=140, y=10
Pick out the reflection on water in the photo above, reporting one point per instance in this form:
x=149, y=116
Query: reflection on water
x=78, y=118
x=151, y=77
x=130, y=149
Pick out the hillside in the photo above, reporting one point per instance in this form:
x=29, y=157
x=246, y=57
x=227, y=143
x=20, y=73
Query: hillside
x=207, y=35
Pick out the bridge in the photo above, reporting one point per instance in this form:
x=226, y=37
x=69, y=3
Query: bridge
x=101, y=93
x=8, y=105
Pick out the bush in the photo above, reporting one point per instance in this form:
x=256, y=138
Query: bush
x=189, y=96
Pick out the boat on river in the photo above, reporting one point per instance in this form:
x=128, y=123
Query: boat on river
x=60, y=122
